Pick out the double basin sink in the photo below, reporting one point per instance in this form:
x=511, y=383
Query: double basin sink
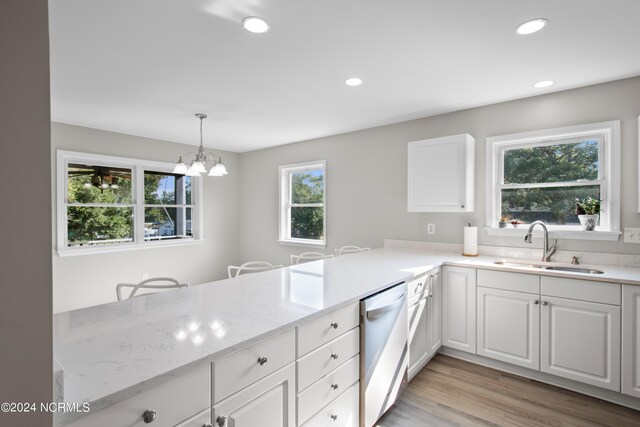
x=566, y=268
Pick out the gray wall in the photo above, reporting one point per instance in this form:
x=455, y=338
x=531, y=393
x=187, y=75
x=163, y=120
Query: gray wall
x=85, y=280
x=25, y=261
x=367, y=183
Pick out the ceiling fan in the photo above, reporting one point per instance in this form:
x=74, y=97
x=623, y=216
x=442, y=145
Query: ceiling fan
x=104, y=178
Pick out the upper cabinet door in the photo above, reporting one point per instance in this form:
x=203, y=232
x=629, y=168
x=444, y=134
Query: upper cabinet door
x=441, y=174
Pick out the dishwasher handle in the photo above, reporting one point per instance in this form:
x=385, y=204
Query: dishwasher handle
x=377, y=312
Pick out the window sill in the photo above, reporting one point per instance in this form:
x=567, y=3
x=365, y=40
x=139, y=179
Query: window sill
x=69, y=252
x=571, y=234
x=302, y=243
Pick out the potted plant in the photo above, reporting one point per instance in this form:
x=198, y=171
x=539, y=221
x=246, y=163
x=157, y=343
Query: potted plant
x=502, y=222
x=588, y=211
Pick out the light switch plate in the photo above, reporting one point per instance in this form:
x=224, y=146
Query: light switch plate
x=632, y=235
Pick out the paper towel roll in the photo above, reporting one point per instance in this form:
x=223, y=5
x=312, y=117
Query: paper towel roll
x=470, y=241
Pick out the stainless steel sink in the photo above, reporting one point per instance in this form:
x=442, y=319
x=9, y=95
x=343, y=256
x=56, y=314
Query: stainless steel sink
x=570, y=269
x=573, y=269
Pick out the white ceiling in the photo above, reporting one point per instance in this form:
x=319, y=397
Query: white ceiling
x=144, y=67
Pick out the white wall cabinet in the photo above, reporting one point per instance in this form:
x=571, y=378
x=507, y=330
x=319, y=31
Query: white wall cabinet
x=459, y=308
x=441, y=174
x=631, y=340
x=509, y=326
x=269, y=402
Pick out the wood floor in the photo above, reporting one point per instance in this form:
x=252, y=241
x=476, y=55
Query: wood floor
x=452, y=392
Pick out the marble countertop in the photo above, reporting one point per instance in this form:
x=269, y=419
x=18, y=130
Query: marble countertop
x=113, y=351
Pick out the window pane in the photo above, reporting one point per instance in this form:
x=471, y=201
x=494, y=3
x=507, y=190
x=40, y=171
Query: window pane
x=167, y=223
x=98, y=184
x=307, y=187
x=552, y=163
x=307, y=223
x=166, y=189
x=553, y=205
x=97, y=225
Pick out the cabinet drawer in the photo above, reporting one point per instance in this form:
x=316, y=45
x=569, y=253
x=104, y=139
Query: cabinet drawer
x=327, y=389
x=173, y=402
x=325, y=359
x=509, y=281
x=342, y=412
x=237, y=370
x=582, y=290
x=418, y=285
x=200, y=420
x=319, y=331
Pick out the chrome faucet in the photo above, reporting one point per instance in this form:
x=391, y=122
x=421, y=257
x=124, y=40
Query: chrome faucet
x=547, y=252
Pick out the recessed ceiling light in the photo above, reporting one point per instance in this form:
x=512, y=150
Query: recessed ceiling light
x=531, y=26
x=255, y=24
x=543, y=84
x=353, y=81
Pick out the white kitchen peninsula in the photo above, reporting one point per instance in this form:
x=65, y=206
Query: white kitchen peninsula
x=116, y=351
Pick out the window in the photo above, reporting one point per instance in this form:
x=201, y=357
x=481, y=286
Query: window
x=539, y=175
x=109, y=203
x=302, y=204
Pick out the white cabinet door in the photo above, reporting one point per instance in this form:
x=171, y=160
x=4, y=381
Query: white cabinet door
x=509, y=326
x=441, y=174
x=269, y=402
x=434, y=310
x=631, y=340
x=418, y=332
x=581, y=341
x=459, y=308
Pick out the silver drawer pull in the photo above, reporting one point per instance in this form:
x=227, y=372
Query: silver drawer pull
x=334, y=386
x=334, y=417
x=545, y=303
x=334, y=356
x=221, y=421
x=334, y=325
x=148, y=416
x=262, y=361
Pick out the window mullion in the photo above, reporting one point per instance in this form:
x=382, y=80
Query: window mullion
x=585, y=183
x=138, y=198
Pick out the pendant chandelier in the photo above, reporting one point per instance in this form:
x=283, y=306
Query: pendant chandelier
x=198, y=167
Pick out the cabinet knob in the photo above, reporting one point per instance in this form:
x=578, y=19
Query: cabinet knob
x=148, y=416
x=334, y=356
x=334, y=325
x=535, y=301
x=262, y=361
x=221, y=421
x=334, y=386
x=545, y=303
x=334, y=417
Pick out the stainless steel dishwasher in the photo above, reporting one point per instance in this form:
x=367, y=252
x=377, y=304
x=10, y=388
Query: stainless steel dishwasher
x=383, y=351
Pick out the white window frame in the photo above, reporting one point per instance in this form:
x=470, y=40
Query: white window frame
x=285, y=172
x=608, y=135
x=138, y=167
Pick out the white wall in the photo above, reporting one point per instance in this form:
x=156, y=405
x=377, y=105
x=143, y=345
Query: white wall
x=25, y=260
x=85, y=280
x=367, y=183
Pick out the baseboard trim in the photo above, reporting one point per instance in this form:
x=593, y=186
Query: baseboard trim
x=589, y=390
